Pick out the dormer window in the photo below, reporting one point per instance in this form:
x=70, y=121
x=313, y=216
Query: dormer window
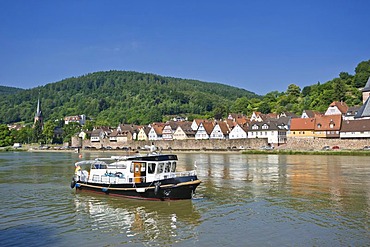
x=319, y=126
x=255, y=127
x=265, y=126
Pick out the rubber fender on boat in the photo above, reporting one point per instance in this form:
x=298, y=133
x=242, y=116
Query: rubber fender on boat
x=157, y=188
x=73, y=183
x=104, y=189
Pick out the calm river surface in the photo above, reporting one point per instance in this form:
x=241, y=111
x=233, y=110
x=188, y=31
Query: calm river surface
x=244, y=200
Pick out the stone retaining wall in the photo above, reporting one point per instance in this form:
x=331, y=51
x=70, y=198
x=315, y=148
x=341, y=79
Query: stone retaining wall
x=292, y=144
x=182, y=144
x=319, y=143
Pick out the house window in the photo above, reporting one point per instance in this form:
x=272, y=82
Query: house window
x=319, y=126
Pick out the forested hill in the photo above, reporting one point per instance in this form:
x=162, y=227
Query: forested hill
x=115, y=97
x=9, y=90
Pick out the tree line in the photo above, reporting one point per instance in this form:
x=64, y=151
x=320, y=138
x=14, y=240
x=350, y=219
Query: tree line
x=113, y=97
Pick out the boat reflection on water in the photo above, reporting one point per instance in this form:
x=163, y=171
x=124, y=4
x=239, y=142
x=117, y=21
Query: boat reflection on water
x=146, y=220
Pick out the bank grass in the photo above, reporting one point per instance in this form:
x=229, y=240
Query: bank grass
x=310, y=152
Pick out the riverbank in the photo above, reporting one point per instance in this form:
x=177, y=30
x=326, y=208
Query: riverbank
x=277, y=151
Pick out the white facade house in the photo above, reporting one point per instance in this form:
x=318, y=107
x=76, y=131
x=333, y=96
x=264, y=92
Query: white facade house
x=155, y=133
x=355, y=129
x=202, y=132
x=220, y=131
x=195, y=124
x=167, y=133
x=81, y=119
x=238, y=132
x=184, y=132
x=143, y=134
x=274, y=132
x=256, y=116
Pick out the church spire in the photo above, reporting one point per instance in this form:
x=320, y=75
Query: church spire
x=38, y=115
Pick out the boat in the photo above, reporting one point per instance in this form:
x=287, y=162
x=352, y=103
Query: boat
x=151, y=177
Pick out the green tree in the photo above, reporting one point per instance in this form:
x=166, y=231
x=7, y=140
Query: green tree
x=48, y=131
x=37, y=133
x=264, y=108
x=339, y=88
x=294, y=90
x=5, y=136
x=362, y=74
x=70, y=130
x=89, y=125
x=240, y=105
x=24, y=135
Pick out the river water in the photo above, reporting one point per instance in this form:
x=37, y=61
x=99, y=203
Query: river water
x=244, y=200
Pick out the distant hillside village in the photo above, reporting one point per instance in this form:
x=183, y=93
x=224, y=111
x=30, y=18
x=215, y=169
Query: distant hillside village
x=338, y=122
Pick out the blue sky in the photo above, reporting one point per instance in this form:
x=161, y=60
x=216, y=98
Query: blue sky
x=261, y=46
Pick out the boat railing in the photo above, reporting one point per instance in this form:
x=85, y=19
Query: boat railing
x=175, y=174
x=109, y=179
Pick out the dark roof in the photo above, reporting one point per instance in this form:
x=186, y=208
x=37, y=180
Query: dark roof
x=352, y=111
x=364, y=111
x=311, y=113
x=272, y=125
x=159, y=157
x=367, y=86
x=355, y=125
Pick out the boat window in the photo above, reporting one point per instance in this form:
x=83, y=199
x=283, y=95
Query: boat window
x=99, y=166
x=132, y=168
x=143, y=167
x=151, y=168
x=173, y=167
x=160, y=167
x=167, y=167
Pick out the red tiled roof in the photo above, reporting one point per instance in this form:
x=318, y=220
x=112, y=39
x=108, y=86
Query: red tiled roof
x=342, y=106
x=328, y=122
x=302, y=124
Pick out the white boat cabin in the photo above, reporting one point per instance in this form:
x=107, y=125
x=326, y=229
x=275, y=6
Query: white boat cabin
x=131, y=169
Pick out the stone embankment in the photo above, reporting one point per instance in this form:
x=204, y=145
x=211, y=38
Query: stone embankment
x=299, y=144
x=318, y=143
x=184, y=144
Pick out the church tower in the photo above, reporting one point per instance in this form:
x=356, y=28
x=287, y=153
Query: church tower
x=366, y=91
x=38, y=115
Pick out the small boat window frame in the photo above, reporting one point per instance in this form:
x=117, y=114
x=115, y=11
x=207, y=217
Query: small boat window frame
x=160, y=167
x=98, y=166
x=173, y=166
x=151, y=168
x=167, y=167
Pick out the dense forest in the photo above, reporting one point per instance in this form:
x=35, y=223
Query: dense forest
x=114, y=97
x=9, y=90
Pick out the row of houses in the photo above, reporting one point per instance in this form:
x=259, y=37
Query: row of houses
x=276, y=129
x=339, y=121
